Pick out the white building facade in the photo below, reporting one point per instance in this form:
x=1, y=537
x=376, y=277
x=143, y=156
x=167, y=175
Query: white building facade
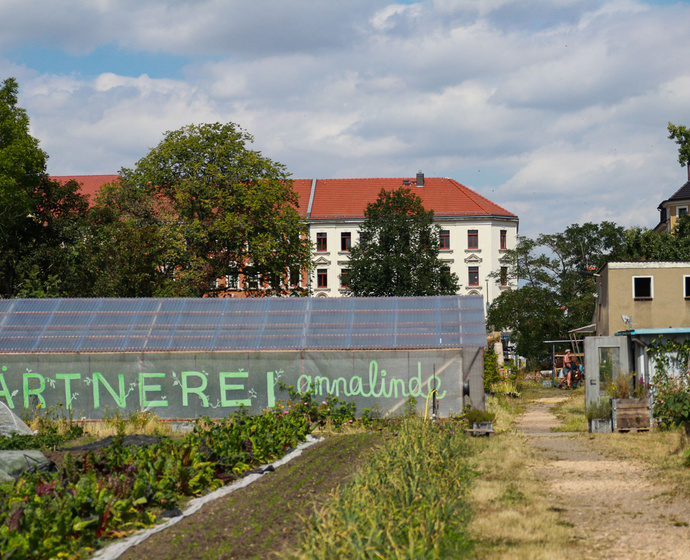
x=475, y=232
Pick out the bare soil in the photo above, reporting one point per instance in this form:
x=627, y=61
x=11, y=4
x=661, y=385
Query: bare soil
x=264, y=519
x=616, y=507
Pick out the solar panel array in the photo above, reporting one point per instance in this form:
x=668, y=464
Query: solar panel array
x=232, y=324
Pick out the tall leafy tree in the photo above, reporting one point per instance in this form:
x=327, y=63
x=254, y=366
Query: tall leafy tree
x=556, y=285
x=213, y=207
x=681, y=135
x=40, y=219
x=398, y=250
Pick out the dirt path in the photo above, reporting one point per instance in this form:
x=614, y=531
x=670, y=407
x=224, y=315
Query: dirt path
x=615, y=505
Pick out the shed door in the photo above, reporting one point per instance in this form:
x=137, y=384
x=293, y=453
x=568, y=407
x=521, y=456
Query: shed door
x=605, y=358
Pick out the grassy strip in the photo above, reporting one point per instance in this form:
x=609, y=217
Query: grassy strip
x=571, y=411
x=411, y=500
x=514, y=518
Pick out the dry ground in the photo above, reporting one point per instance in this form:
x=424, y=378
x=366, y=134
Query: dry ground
x=617, y=507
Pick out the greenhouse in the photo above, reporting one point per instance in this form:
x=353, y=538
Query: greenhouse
x=185, y=358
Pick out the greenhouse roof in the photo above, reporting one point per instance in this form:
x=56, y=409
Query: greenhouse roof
x=239, y=324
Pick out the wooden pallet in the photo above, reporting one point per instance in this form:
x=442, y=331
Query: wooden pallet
x=479, y=432
x=636, y=430
x=631, y=415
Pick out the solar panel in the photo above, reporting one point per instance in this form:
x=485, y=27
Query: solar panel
x=234, y=324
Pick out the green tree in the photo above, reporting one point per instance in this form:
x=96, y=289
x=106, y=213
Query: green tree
x=557, y=287
x=533, y=315
x=647, y=244
x=681, y=135
x=398, y=250
x=40, y=219
x=213, y=208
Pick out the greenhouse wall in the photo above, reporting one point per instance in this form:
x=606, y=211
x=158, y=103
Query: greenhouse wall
x=183, y=385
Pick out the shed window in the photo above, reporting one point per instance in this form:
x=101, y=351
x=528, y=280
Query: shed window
x=643, y=287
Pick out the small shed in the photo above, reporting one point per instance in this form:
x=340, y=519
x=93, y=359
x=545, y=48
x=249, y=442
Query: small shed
x=185, y=358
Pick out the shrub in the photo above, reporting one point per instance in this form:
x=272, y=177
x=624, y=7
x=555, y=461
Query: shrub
x=475, y=415
x=491, y=372
x=599, y=409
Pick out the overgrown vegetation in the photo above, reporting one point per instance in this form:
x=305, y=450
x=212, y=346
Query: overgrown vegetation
x=410, y=501
x=671, y=385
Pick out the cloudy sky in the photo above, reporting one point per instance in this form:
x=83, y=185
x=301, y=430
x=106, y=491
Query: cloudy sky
x=555, y=109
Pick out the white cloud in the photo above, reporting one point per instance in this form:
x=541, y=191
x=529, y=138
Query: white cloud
x=564, y=103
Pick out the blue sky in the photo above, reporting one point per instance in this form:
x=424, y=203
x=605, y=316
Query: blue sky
x=555, y=109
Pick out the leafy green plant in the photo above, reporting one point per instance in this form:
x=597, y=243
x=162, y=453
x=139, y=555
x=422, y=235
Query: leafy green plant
x=671, y=385
x=319, y=412
x=108, y=494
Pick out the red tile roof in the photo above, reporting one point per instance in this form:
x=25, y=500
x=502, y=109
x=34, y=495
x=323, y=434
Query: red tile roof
x=90, y=184
x=347, y=198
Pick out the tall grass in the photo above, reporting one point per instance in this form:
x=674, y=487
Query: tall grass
x=410, y=501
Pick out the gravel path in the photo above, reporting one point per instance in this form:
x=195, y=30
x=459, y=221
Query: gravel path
x=615, y=505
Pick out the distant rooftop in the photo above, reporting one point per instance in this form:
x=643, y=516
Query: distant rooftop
x=328, y=199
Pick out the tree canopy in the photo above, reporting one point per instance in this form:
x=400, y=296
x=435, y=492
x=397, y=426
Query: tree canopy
x=681, y=135
x=40, y=219
x=397, y=254
x=557, y=287
x=203, y=206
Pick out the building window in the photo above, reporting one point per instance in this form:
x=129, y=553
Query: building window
x=473, y=276
x=681, y=211
x=504, y=244
x=321, y=242
x=295, y=276
x=504, y=276
x=445, y=269
x=445, y=239
x=686, y=287
x=232, y=281
x=344, y=278
x=643, y=287
x=345, y=241
x=473, y=239
x=322, y=278
x=252, y=281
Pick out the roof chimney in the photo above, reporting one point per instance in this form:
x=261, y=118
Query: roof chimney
x=420, y=179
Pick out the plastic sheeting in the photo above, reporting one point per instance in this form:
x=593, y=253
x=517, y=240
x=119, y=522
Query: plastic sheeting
x=180, y=385
x=234, y=324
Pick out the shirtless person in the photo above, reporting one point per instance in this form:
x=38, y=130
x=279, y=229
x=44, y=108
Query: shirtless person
x=569, y=365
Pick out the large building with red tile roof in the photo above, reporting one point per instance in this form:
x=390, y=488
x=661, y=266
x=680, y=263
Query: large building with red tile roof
x=476, y=232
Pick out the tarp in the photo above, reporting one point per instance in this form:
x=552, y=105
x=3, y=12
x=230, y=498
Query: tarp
x=10, y=423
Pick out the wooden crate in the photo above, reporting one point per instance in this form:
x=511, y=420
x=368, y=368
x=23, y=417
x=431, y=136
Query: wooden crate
x=631, y=414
